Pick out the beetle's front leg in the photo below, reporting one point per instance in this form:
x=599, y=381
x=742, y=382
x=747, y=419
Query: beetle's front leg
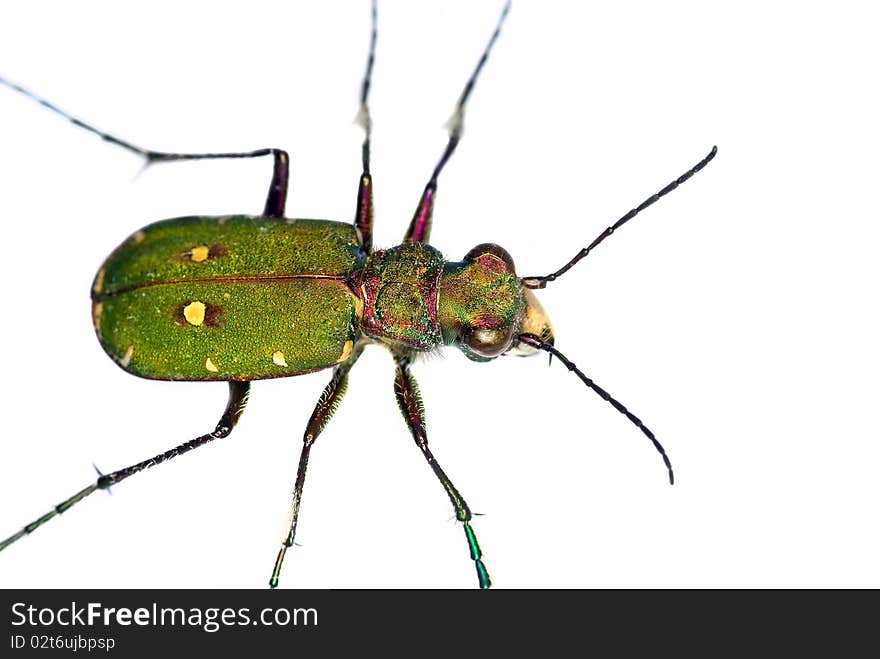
x=363, y=218
x=410, y=402
x=419, y=230
x=327, y=404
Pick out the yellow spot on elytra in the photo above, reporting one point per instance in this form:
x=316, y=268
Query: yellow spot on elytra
x=97, y=310
x=194, y=313
x=346, y=351
x=211, y=366
x=99, y=281
x=200, y=253
x=278, y=358
x=138, y=237
x=226, y=296
x=126, y=359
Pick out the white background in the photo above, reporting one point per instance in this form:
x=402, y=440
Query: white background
x=737, y=317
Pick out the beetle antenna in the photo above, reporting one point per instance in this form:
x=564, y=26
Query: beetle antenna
x=535, y=342
x=541, y=282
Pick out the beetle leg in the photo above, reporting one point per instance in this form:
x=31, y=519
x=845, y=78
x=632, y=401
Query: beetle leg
x=280, y=172
x=419, y=230
x=238, y=396
x=275, y=199
x=327, y=404
x=410, y=402
x=363, y=219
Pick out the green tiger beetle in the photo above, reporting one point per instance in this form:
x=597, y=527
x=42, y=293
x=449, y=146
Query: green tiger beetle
x=241, y=298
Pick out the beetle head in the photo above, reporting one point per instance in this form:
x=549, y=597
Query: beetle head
x=483, y=306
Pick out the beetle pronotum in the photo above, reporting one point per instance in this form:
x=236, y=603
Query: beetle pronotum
x=372, y=313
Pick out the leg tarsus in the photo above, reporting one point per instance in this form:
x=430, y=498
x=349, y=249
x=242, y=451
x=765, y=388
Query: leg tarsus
x=477, y=556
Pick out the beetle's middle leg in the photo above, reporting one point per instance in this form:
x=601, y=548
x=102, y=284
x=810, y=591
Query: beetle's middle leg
x=327, y=404
x=276, y=198
x=410, y=402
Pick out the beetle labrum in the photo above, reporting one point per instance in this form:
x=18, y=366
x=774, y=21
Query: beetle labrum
x=187, y=299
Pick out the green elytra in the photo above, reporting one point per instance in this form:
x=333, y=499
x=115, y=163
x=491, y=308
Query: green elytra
x=229, y=298
x=241, y=298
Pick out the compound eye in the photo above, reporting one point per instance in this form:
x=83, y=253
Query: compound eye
x=489, y=252
x=488, y=342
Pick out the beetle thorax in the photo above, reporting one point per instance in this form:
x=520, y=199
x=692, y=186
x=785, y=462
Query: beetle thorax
x=400, y=288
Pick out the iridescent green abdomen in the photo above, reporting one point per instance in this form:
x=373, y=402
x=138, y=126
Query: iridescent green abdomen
x=229, y=298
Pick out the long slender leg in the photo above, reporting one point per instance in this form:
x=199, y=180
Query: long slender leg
x=363, y=219
x=327, y=404
x=410, y=402
x=419, y=230
x=238, y=396
x=276, y=198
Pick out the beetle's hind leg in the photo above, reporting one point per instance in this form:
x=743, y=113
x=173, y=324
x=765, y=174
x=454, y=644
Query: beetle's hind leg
x=276, y=198
x=238, y=396
x=410, y=402
x=327, y=404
